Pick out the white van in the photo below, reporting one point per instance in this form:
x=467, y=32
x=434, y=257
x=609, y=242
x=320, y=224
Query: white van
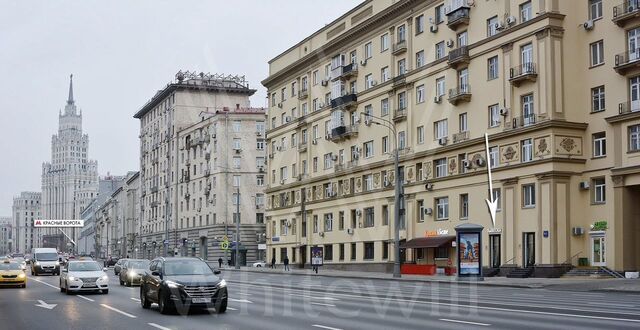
x=45, y=261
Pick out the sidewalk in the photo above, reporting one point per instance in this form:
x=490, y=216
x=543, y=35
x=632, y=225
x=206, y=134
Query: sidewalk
x=572, y=284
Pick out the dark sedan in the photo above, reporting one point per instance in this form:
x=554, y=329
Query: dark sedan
x=132, y=270
x=181, y=283
x=118, y=266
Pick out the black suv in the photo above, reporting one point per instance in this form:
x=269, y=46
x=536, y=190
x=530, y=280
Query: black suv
x=180, y=283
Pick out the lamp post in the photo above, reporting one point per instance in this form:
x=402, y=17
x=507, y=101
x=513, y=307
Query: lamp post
x=398, y=188
x=236, y=262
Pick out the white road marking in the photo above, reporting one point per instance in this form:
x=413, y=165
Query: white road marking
x=322, y=304
x=85, y=298
x=243, y=294
x=136, y=299
x=323, y=298
x=241, y=300
x=119, y=311
x=45, y=305
x=466, y=322
x=45, y=283
x=158, y=326
x=231, y=308
x=324, y=327
x=608, y=304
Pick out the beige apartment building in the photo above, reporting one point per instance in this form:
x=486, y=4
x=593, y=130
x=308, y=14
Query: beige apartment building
x=554, y=84
x=201, y=140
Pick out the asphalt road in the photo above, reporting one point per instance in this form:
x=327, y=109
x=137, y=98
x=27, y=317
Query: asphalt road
x=274, y=301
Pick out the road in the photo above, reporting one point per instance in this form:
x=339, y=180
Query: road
x=275, y=301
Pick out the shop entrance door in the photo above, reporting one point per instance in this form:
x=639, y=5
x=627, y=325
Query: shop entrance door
x=529, y=249
x=598, y=251
x=494, y=251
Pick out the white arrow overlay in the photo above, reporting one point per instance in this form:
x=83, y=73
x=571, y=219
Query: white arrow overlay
x=45, y=305
x=492, y=204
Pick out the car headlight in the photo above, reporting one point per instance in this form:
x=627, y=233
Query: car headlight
x=222, y=284
x=132, y=273
x=37, y=263
x=104, y=277
x=57, y=263
x=71, y=278
x=173, y=284
x=22, y=275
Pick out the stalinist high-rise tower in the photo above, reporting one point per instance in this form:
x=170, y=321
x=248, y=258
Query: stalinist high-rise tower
x=70, y=180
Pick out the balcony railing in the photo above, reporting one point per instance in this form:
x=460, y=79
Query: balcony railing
x=628, y=107
x=400, y=47
x=345, y=101
x=343, y=132
x=524, y=121
x=345, y=71
x=459, y=94
x=303, y=94
x=459, y=137
x=522, y=73
x=458, y=16
x=458, y=56
x=154, y=188
x=400, y=114
x=302, y=146
x=625, y=12
x=627, y=62
x=399, y=80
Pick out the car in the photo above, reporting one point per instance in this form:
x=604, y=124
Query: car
x=118, y=266
x=132, y=270
x=45, y=260
x=78, y=276
x=181, y=283
x=110, y=262
x=12, y=274
x=22, y=262
x=260, y=264
x=27, y=258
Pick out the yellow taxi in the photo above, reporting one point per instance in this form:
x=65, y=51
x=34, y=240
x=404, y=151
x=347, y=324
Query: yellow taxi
x=11, y=274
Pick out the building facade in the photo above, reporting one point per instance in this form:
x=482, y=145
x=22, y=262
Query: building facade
x=26, y=209
x=197, y=136
x=6, y=236
x=429, y=79
x=70, y=179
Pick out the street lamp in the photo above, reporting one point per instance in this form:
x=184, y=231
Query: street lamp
x=398, y=187
x=237, y=245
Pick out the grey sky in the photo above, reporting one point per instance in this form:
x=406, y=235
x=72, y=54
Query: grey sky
x=120, y=53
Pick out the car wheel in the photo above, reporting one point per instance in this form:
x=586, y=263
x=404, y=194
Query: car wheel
x=221, y=307
x=105, y=291
x=143, y=298
x=259, y=266
x=62, y=289
x=121, y=282
x=24, y=285
x=163, y=303
x=66, y=288
x=127, y=283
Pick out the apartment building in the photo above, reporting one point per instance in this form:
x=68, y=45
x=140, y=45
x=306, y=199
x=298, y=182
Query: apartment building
x=430, y=78
x=6, y=237
x=178, y=150
x=26, y=208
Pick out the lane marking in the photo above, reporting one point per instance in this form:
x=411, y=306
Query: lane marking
x=45, y=283
x=158, y=326
x=609, y=304
x=243, y=294
x=231, y=308
x=324, y=327
x=241, y=300
x=119, y=311
x=322, y=304
x=135, y=299
x=85, y=298
x=466, y=322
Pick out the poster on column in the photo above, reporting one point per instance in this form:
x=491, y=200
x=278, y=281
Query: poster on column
x=316, y=256
x=469, y=253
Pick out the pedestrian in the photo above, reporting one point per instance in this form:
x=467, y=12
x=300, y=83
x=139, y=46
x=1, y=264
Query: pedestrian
x=315, y=268
x=220, y=262
x=273, y=262
x=286, y=263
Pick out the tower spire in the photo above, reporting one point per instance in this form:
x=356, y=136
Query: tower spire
x=70, y=100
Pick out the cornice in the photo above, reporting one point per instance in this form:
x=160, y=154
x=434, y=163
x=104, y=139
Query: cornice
x=623, y=117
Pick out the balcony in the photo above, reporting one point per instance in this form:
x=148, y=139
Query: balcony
x=302, y=146
x=399, y=47
x=154, y=189
x=458, y=16
x=345, y=101
x=344, y=72
x=627, y=63
x=628, y=107
x=459, y=137
x=302, y=121
x=458, y=57
x=154, y=204
x=399, y=80
x=626, y=12
x=523, y=73
x=343, y=132
x=400, y=114
x=459, y=94
x=524, y=121
x=338, y=167
x=303, y=94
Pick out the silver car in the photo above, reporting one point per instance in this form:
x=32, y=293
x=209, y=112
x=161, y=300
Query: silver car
x=132, y=271
x=77, y=276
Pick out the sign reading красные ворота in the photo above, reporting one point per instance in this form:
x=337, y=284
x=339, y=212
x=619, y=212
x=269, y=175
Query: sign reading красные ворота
x=58, y=223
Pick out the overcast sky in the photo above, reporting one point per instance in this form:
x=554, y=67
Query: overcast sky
x=120, y=53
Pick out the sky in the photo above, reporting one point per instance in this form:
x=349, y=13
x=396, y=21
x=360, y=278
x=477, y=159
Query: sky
x=120, y=53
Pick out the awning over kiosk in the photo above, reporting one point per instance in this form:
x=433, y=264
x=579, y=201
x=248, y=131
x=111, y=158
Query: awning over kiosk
x=428, y=242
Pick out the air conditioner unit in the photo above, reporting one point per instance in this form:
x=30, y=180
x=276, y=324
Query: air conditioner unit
x=368, y=121
x=443, y=141
x=288, y=223
x=428, y=186
x=437, y=99
x=480, y=162
x=334, y=157
x=213, y=135
x=588, y=25
x=504, y=112
x=498, y=26
x=321, y=234
x=261, y=169
x=281, y=181
x=450, y=43
x=324, y=82
x=428, y=211
x=350, y=231
x=314, y=141
x=466, y=163
x=327, y=136
x=577, y=231
x=584, y=185
x=358, y=213
x=433, y=28
x=363, y=62
x=279, y=148
x=287, y=119
x=511, y=20
x=373, y=83
x=258, y=133
x=280, y=105
x=321, y=105
x=238, y=150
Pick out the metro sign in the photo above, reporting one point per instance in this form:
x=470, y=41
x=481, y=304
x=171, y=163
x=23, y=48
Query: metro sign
x=58, y=223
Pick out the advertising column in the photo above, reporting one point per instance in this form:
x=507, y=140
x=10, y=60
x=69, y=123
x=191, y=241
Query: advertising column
x=469, y=243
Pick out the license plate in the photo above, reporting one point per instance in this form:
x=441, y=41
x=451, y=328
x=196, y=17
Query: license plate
x=89, y=285
x=200, y=300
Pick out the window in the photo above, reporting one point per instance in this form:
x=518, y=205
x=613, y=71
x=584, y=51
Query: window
x=328, y=252
x=491, y=26
x=440, y=129
x=384, y=107
x=442, y=208
x=385, y=215
x=314, y=78
x=368, y=182
x=341, y=220
x=353, y=251
x=494, y=115
x=385, y=250
x=440, y=50
x=420, y=59
x=599, y=144
x=599, y=191
x=384, y=74
x=401, y=140
x=328, y=161
x=420, y=135
x=236, y=199
x=402, y=67
x=236, y=181
x=492, y=68
x=441, y=167
x=236, y=144
x=527, y=150
x=529, y=195
x=439, y=14
x=368, y=149
x=341, y=251
x=284, y=229
x=402, y=100
x=597, y=99
x=315, y=164
x=634, y=138
x=464, y=206
x=525, y=12
x=368, y=51
x=496, y=197
x=384, y=42
x=597, y=53
x=420, y=210
x=462, y=122
x=368, y=80
x=369, y=251
x=328, y=222
x=440, y=87
x=420, y=94
x=527, y=110
x=494, y=158
x=236, y=126
x=595, y=9
x=419, y=24
x=236, y=162
x=283, y=173
x=402, y=33
x=369, y=217
x=315, y=223
x=385, y=144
